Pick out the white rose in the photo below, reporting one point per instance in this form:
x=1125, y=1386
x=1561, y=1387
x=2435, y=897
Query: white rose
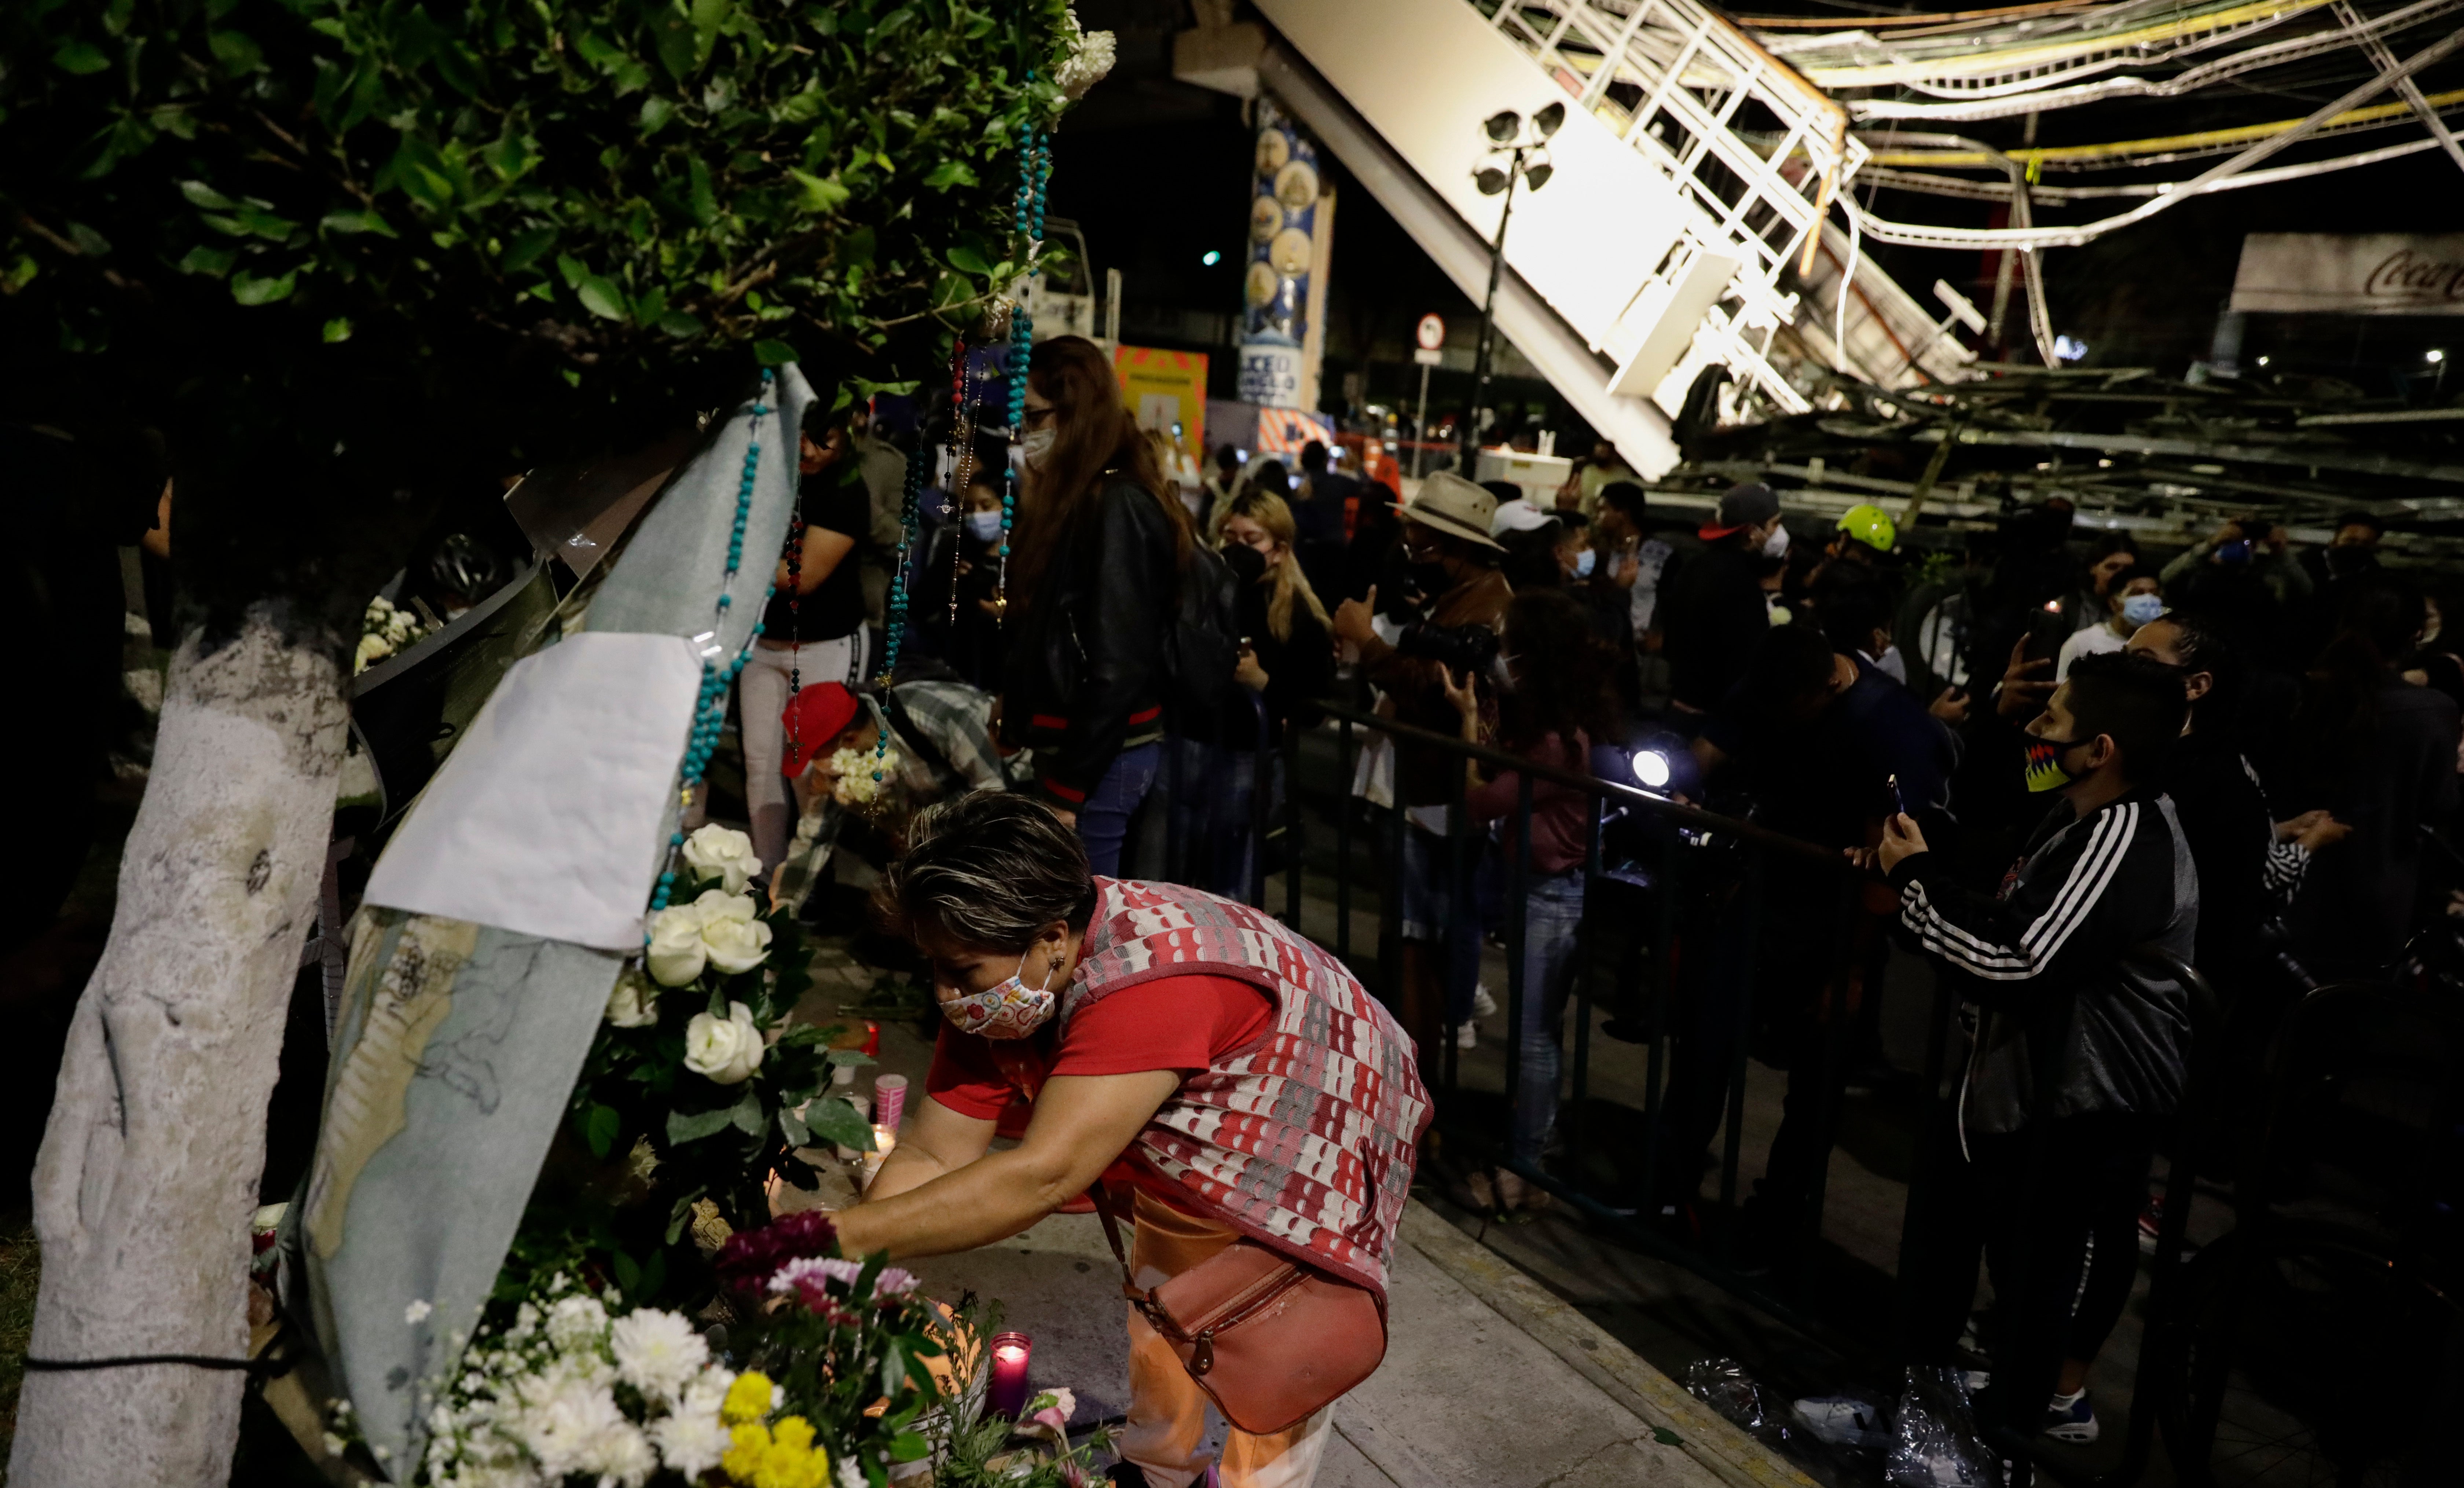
x=677, y=953
x=635, y=1003
x=728, y=1052
x=732, y=938
x=722, y=853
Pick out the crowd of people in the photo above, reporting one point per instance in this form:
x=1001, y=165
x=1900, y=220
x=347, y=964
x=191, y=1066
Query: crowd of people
x=2035, y=760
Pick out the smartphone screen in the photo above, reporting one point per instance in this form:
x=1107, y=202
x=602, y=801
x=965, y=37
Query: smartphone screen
x=1898, y=801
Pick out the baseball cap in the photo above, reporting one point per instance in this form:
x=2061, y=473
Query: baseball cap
x=814, y=718
x=1518, y=515
x=1741, y=506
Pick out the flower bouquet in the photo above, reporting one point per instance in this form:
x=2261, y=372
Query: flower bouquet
x=698, y=1091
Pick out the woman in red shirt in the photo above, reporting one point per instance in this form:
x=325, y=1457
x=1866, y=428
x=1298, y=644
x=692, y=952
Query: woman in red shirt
x=1226, y=1077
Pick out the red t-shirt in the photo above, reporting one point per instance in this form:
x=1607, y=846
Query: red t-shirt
x=1184, y=1023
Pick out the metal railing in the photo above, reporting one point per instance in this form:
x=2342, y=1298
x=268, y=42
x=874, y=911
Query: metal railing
x=1647, y=905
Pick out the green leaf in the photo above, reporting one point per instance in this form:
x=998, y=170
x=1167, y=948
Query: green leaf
x=628, y=1271
x=819, y=196
x=855, y=1057
x=600, y=298
x=1666, y=1437
x=773, y=354
x=949, y=173
x=236, y=51
x=251, y=289
x=831, y=1119
x=215, y=261
x=89, y=242
x=599, y=1124
x=705, y=202
x=909, y=1447
x=747, y=1115
x=357, y=222
x=569, y=269
x=81, y=57
x=206, y=196
x=692, y=1126
x=677, y=323
x=793, y=1129
x=339, y=329
x=672, y=36
x=657, y=112
x=966, y=260
x=708, y=16
x=525, y=248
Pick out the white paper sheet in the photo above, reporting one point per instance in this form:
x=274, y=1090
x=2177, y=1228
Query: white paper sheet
x=545, y=818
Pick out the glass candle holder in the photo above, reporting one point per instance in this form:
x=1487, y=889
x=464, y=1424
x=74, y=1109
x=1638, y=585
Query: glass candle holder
x=1006, y=1395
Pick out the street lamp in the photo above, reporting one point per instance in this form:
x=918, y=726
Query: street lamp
x=1515, y=153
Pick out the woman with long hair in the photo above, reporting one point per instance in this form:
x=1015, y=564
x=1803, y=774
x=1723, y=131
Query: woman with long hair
x=1289, y=656
x=1557, y=700
x=1094, y=574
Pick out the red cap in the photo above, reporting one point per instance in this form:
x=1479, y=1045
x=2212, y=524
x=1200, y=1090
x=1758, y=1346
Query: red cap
x=814, y=718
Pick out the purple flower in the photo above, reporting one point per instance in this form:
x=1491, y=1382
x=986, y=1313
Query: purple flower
x=749, y=1257
x=809, y=1279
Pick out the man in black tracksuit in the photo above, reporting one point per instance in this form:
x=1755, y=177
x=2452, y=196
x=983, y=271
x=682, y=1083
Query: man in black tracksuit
x=2044, y=966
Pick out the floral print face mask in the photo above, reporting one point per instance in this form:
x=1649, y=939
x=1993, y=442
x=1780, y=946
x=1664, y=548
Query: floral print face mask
x=1010, y=1009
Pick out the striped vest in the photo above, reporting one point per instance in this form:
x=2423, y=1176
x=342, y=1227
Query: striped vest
x=1305, y=1141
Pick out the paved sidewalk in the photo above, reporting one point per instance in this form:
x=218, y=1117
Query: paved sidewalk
x=1489, y=1380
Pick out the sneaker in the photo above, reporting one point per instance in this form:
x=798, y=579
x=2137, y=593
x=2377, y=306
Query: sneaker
x=2152, y=1224
x=1483, y=1005
x=2071, y=1418
x=1468, y=1037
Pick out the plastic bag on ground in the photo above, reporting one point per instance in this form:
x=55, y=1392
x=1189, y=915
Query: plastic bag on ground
x=1934, y=1441
x=1725, y=1386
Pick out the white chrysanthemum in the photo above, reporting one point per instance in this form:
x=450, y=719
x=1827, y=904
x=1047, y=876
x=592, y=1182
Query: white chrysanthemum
x=564, y=1421
x=657, y=1352
x=850, y=1476
x=623, y=1452
x=1090, y=57
x=690, y=1442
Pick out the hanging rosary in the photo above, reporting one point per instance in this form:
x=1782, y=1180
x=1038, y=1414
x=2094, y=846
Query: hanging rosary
x=795, y=621
x=1034, y=170
x=962, y=456
x=710, y=706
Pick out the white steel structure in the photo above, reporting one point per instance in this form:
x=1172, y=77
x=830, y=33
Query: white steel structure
x=1682, y=229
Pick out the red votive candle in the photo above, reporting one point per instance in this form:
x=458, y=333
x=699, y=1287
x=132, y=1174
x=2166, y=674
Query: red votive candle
x=1006, y=1393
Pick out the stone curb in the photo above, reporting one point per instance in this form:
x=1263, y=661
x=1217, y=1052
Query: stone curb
x=1593, y=1352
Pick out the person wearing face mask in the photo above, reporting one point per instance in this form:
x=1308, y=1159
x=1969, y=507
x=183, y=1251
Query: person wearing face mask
x=1451, y=561
x=1165, y=1043
x=961, y=563
x=2047, y=955
x=1717, y=613
x=2132, y=597
x=1095, y=566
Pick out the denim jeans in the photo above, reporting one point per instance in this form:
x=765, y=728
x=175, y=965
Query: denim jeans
x=1553, y=915
x=1104, y=819
x=1204, y=835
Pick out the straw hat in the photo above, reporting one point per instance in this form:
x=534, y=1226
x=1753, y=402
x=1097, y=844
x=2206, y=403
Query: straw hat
x=1452, y=505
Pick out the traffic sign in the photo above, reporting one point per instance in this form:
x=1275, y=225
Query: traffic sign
x=1431, y=333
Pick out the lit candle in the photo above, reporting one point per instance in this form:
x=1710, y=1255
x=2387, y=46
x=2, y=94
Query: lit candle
x=1006, y=1393
x=884, y=1138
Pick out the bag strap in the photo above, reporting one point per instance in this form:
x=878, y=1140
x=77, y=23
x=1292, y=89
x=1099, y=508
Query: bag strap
x=1158, y=1316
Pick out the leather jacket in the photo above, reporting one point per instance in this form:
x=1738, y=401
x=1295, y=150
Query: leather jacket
x=1085, y=677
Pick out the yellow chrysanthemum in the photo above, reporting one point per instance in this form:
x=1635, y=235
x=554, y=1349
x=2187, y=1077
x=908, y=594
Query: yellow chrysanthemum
x=748, y=1399
x=743, y=1460
x=793, y=1432
x=788, y=1467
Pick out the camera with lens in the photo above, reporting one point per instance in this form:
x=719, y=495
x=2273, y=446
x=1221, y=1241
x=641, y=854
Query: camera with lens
x=1467, y=649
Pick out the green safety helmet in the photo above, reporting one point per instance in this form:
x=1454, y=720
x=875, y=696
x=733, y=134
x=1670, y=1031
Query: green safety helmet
x=1870, y=525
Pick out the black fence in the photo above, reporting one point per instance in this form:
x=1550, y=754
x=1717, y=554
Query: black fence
x=1663, y=882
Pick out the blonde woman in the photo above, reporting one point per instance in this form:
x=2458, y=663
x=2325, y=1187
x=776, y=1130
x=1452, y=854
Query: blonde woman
x=1287, y=650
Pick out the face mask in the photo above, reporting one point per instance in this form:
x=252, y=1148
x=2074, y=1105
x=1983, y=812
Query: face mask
x=1009, y=1010
x=983, y=526
x=1584, y=562
x=2045, y=772
x=1776, y=543
x=1037, y=444
x=2140, y=608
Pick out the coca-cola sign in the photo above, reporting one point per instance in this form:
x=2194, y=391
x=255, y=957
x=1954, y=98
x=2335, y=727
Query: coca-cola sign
x=2377, y=273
